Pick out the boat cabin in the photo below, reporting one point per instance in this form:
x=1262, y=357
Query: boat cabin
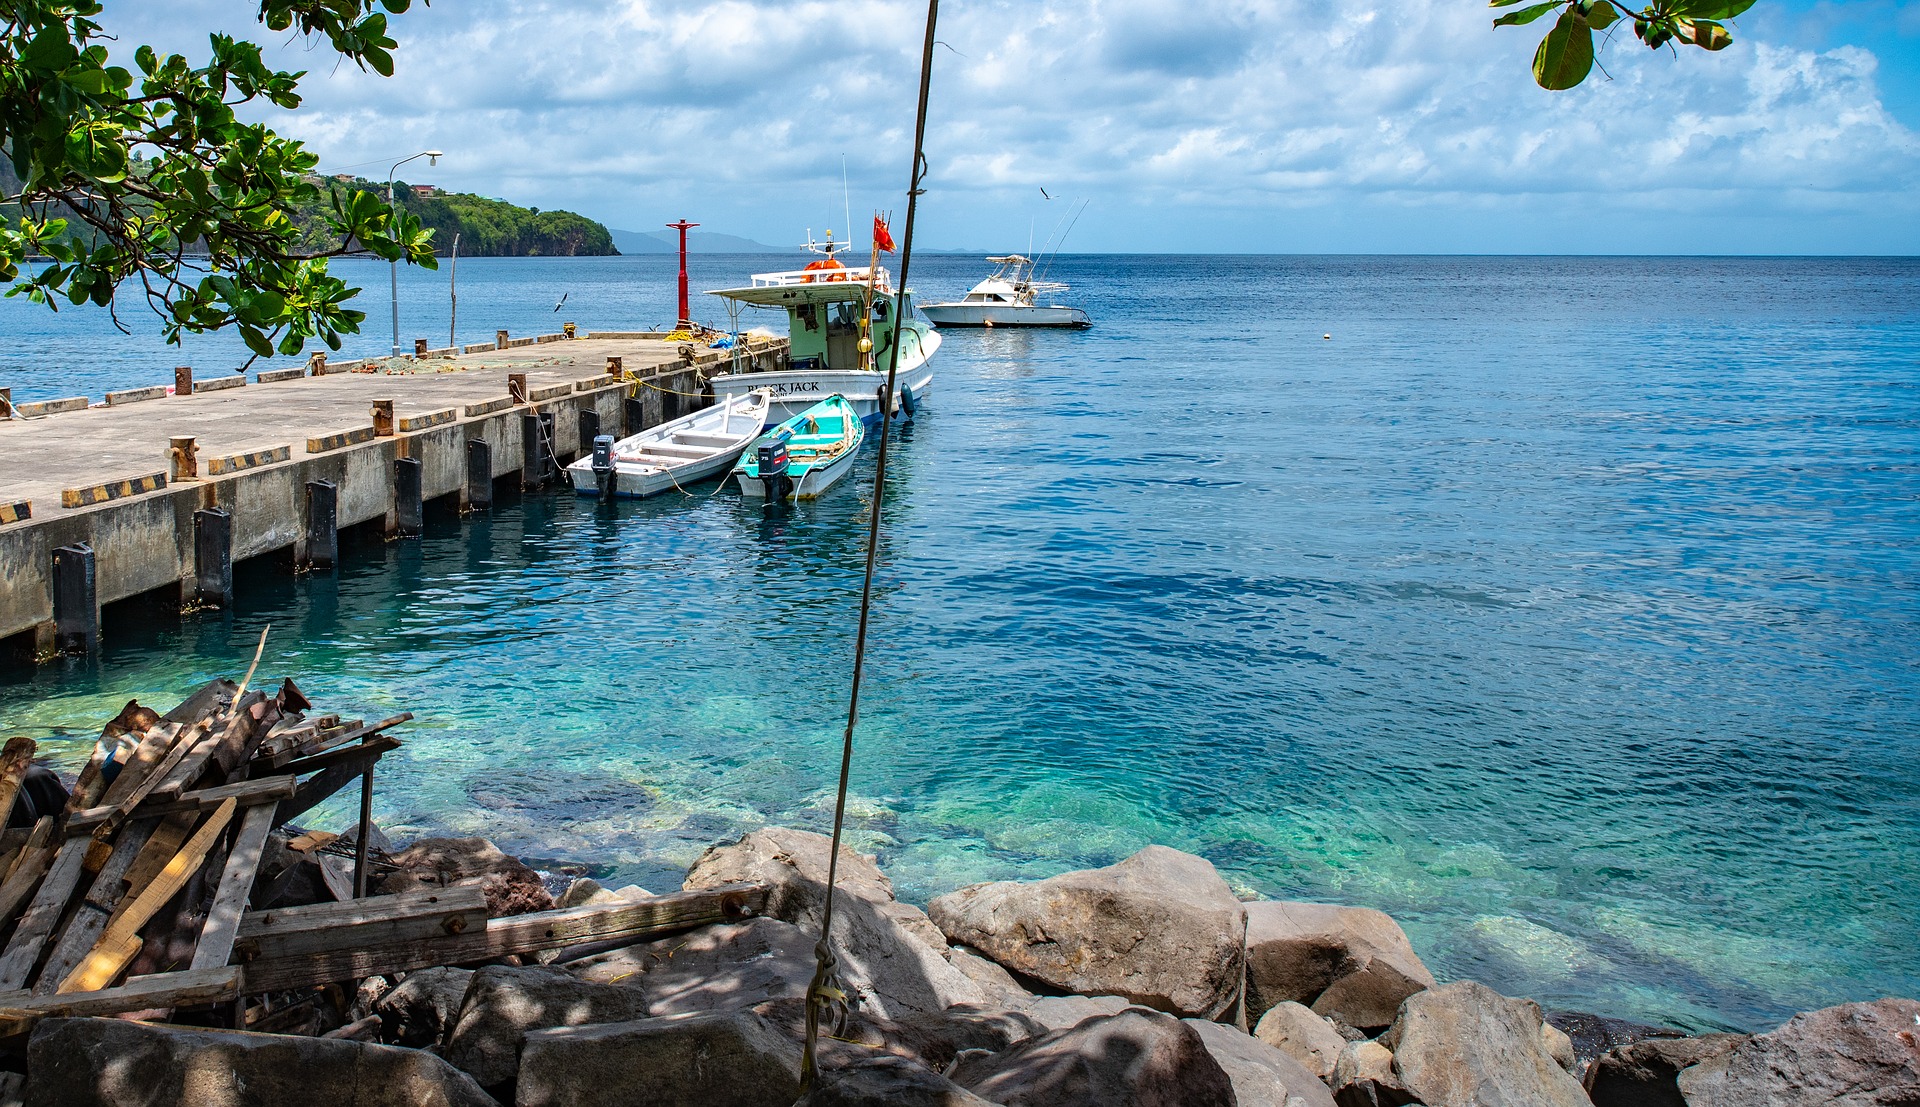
x=824, y=308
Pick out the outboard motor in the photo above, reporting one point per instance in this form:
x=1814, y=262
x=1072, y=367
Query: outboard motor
x=603, y=465
x=772, y=461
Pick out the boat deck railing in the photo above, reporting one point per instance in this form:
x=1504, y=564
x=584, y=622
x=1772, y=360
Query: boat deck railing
x=821, y=276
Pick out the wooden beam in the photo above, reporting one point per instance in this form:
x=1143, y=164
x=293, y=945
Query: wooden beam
x=342, y=738
x=515, y=934
x=386, y=743
x=328, y=927
x=121, y=942
x=316, y=789
x=109, y=888
x=248, y=792
x=168, y=837
x=27, y=868
x=43, y=914
x=15, y=760
x=19, y=1010
x=230, y=901
x=229, y=730
x=182, y=748
x=153, y=749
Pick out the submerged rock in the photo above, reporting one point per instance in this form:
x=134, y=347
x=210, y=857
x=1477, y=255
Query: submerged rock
x=1137, y=1058
x=1593, y=1035
x=1353, y=964
x=511, y=887
x=1864, y=1054
x=116, y=1063
x=1262, y=1076
x=1160, y=928
x=712, y=1059
x=1465, y=1044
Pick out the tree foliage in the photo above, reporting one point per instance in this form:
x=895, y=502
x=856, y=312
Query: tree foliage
x=487, y=228
x=167, y=187
x=1566, y=55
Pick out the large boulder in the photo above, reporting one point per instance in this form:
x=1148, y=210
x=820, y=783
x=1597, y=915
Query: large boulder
x=725, y=965
x=1363, y=1076
x=115, y=1063
x=1853, y=1055
x=1466, y=1045
x=931, y=1038
x=1262, y=1076
x=511, y=887
x=994, y=980
x=1353, y=964
x=890, y=957
x=1137, y=1058
x=1645, y=1073
x=711, y=1059
x=1302, y=1035
x=884, y=1080
x=1160, y=928
x=1593, y=1035
x=1061, y=1012
x=502, y=1004
x=419, y=1011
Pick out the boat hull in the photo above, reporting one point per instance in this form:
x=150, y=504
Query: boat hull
x=1005, y=315
x=809, y=486
x=722, y=430
x=792, y=391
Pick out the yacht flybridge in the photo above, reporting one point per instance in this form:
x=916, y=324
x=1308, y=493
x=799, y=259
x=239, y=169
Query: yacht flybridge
x=1007, y=299
x=842, y=326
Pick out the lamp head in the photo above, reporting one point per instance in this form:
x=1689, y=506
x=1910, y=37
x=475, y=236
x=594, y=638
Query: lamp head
x=433, y=157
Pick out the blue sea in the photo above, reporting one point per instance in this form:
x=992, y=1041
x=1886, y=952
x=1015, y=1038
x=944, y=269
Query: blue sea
x=1565, y=608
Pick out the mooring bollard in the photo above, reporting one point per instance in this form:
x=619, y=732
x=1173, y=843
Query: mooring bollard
x=323, y=532
x=409, y=507
x=76, y=600
x=213, y=556
x=499, y=340
x=317, y=363
x=6, y=403
x=567, y=329
x=613, y=366
x=183, y=380
x=419, y=347
x=183, y=457
x=383, y=418
x=517, y=387
x=589, y=429
x=479, y=475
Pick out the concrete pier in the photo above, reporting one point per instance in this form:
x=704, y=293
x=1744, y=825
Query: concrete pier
x=165, y=492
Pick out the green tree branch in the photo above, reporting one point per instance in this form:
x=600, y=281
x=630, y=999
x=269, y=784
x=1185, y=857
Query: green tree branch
x=1565, y=56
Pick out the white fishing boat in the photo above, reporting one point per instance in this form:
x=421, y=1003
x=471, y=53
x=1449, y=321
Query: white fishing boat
x=1009, y=297
x=806, y=454
x=678, y=453
x=832, y=313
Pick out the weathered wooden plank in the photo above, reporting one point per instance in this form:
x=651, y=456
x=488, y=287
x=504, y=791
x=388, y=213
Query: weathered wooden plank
x=120, y=943
x=515, y=934
x=207, y=700
x=30, y=937
x=15, y=760
x=19, y=1010
x=153, y=749
x=325, y=927
x=334, y=741
x=248, y=792
x=229, y=731
x=230, y=901
x=27, y=869
x=386, y=743
x=37, y=837
x=182, y=748
x=108, y=889
x=316, y=789
x=167, y=838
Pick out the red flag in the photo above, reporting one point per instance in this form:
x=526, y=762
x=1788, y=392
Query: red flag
x=881, y=237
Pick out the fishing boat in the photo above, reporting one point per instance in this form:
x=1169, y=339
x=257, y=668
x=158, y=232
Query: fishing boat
x=804, y=455
x=1008, y=298
x=675, y=454
x=842, y=326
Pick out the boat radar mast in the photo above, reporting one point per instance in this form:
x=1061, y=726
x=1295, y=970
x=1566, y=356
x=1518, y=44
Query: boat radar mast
x=827, y=248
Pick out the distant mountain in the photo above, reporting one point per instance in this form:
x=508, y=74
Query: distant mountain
x=698, y=242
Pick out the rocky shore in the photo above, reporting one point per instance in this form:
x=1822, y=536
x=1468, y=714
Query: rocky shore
x=1145, y=983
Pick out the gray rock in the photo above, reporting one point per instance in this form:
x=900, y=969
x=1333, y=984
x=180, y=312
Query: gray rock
x=116, y=1063
x=997, y=983
x=1262, y=1076
x=1594, y=1035
x=1853, y=1055
x=1363, y=1076
x=587, y=892
x=503, y=1004
x=886, y=957
x=724, y=966
x=511, y=887
x=1160, y=928
x=1357, y=958
x=885, y=1080
x=1465, y=1044
x=1137, y=1058
x=711, y=1059
x=1559, y=1047
x=1061, y=1012
x=933, y=1039
x=1302, y=1035
x=1644, y=1073
x=421, y=1008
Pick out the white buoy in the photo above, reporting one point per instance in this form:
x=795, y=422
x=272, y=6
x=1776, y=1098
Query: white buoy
x=1328, y=337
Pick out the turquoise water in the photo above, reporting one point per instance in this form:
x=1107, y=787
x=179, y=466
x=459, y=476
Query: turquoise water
x=1564, y=608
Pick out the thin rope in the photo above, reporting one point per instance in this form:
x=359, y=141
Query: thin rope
x=825, y=991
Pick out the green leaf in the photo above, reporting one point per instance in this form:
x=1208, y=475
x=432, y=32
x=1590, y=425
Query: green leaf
x=1565, y=56
x=1601, y=15
x=257, y=342
x=1527, y=15
x=1709, y=35
x=1709, y=9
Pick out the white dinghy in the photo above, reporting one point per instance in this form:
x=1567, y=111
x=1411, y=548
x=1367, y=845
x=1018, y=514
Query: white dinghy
x=677, y=454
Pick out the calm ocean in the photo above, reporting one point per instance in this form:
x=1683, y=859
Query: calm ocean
x=1567, y=609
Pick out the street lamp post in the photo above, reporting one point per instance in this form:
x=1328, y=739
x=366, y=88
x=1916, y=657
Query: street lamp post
x=393, y=272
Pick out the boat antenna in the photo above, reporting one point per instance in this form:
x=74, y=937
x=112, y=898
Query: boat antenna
x=825, y=990
x=846, y=196
x=1063, y=239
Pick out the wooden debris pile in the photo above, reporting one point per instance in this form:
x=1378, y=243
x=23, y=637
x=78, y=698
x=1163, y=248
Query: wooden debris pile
x=171, y=883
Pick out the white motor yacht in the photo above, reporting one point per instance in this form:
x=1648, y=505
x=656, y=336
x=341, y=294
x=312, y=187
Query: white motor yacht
x=1007, y=298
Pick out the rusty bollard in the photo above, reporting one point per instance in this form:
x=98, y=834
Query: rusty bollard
x=613, y=367
x=183, y=457
x=419, y=347
x=567, y=329
x=499, y=340
x=317, y=363
x=383, y=418
x=183, y=380
x=517, y=386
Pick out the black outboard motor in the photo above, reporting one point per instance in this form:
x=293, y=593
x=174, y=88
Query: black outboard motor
x=603, y=465
x=772, y=463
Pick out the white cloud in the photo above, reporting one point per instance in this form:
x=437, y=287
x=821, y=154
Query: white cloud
x=1264, y=124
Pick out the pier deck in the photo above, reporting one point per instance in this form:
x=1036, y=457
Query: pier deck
x=103, y=483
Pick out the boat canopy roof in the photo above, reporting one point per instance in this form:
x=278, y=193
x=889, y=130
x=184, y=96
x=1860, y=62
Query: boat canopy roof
x=810, y=285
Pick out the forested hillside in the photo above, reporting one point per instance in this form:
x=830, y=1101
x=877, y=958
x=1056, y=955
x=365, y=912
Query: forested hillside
x=487, y=228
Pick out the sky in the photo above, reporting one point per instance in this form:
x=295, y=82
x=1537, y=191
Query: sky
x=1205, y=126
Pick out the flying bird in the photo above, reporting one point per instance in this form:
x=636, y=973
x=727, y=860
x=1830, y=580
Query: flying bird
x=563, y=300
x=1043, y=192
